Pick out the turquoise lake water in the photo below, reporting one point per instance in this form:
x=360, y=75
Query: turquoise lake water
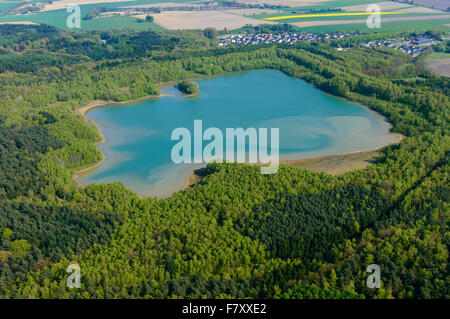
x=311, y=123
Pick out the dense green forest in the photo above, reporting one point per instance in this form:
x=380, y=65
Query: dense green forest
x=237, y=233
x=188, y=87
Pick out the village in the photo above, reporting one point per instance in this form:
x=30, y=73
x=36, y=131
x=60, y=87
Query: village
x=412, y=47
x=286, y=38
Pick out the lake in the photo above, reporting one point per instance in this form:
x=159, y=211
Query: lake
x=311, y=123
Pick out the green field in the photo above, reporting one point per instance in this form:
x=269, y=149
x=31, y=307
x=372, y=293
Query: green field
x=345, y=17
x=386, y=27
x=6, y=5
x=58, y=18
x=335, y=4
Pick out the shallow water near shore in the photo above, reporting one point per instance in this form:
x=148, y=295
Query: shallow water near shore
x=138, y=135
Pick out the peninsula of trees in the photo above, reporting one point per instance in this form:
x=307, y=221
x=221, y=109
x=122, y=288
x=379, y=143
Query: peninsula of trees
x=188, y=87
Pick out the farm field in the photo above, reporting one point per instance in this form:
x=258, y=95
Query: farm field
x=58, y=19
x=6, y=5
x=439, y=66
x=290, y=3
x=387, y=5
x=324, y=18
x=386, y=27
x=311, y=3
x=219, y=19
x=437, y=56
x=332, y=4
x=21, y=22
x=439, y=4
x=62, y=4
x=391, y=5
x=58, y=15
x=395, y=16
x=162, y=4
x=421, y=10
x=383, y=19
x=438, y=63
x=324, y=15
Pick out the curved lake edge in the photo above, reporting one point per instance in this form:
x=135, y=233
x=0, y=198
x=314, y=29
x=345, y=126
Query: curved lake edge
x=83, y=110
x=330, y=164
x=294, y=159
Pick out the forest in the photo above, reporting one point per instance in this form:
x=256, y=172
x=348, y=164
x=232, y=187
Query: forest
x=188, y=87
x=237, y=233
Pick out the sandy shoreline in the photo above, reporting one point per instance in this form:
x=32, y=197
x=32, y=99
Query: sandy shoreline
x=343, y=163
x=97, y=103
x=331, y=164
